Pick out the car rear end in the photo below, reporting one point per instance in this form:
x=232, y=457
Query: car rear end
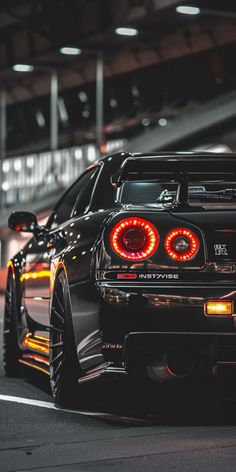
x=166, y=273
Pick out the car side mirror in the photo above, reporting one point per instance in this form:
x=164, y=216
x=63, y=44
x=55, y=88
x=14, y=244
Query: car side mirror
x=23, y=221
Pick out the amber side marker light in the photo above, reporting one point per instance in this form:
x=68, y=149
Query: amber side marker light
x=219, y=308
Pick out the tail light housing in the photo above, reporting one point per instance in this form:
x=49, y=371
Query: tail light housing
x=181, y=244
x=134, y=239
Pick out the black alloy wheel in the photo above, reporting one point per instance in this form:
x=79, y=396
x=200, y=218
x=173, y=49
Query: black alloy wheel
x=11, y=348
x=64, y=366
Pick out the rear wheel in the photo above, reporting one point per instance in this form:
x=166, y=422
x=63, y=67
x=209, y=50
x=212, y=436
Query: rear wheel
x=11, y=349
x=64, y=366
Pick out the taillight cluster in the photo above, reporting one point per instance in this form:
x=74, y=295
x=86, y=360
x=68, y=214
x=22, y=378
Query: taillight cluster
x=181, y=244
x=134, y=239
x=137, y=239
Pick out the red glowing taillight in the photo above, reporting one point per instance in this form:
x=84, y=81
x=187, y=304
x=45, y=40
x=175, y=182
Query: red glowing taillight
x=134, y=239
x=181, y=244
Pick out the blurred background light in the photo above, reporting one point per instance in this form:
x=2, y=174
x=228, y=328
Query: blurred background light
x=5, y=166
x=126, y=31
x=30, y=162
x=63, y=115
x=162, y=121
x=91, y=153
x=23, y=67
x=17, y=165
x=188, y=10
x=40, y=119
x=78, y=154
x=83, y=96
x=71, y=51
x=5, y=186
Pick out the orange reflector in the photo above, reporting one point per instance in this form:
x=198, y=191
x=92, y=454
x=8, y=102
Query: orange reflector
x=219, y=307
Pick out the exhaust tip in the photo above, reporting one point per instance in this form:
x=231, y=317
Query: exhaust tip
x=176, y=363
x=180, y=362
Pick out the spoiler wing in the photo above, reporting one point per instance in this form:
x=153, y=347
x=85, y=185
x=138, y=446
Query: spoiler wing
x=184, y=169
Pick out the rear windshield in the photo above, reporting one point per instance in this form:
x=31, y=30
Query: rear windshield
x=217, y=195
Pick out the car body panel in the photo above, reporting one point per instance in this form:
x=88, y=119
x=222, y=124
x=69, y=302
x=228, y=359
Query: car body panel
x=166, y=296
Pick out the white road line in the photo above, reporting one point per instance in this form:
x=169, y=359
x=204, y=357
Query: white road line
x=32, y=402
x=51, y=406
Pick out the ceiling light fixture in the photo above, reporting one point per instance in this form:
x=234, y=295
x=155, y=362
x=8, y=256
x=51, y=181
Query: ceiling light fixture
x=126, y=31
x=71, y=51
x=188, y=10
x=23, y=68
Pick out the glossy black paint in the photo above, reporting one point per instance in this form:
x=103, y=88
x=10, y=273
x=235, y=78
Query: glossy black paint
x=164, y=305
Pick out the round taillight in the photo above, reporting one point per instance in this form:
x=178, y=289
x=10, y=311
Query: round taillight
x=134, y=239
x=181, y=244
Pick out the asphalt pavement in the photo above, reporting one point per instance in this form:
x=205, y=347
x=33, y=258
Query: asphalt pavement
x=120, y=429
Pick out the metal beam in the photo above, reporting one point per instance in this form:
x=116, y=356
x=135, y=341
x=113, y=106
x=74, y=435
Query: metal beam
x=186, y=126
x=171, y=46
x=26, y=21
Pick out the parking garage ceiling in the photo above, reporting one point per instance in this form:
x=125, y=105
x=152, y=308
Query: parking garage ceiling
x=174, y=63
x=33, y=32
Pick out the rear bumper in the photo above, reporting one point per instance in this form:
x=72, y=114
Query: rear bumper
x=141, y=349
x=211, y=348
x=134, y=307
x=157, y=315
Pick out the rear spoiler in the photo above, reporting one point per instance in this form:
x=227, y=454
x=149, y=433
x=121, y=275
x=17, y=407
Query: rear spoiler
x=184, y=169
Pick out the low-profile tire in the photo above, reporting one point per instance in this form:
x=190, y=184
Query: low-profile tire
x=11, y=349
x=64, y=365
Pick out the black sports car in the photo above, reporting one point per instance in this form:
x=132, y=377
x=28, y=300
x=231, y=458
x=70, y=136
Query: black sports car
x=134, y=273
